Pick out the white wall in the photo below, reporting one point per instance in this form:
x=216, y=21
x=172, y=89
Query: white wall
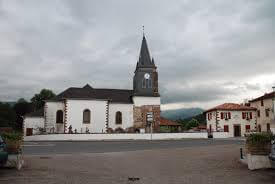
x=75, y=110
x=84, y=137
x=127, y=115
x=263, y=120
x=217, y=135
x=141, y=100
x=33, y=122
x=50, y=121
x=236, y=119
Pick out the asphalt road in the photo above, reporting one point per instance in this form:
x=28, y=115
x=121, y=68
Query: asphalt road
x=48, y=148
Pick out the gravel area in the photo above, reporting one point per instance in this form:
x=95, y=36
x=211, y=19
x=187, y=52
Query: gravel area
x=207, y=164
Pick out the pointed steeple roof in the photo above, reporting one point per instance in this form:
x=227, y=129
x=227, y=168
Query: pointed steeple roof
x=87, y=86
x=144, y=56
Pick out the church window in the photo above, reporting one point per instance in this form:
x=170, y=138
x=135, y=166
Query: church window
x=147, y=83
x=118, y=118
x=59, y=116
x=86, y=116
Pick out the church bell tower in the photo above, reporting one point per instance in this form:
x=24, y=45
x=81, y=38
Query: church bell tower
x=146, y=96
x=145, y=81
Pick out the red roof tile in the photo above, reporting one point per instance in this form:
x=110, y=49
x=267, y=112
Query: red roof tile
x=231, y=107
x=167, y=122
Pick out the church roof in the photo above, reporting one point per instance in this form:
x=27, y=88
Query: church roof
x=87, y=92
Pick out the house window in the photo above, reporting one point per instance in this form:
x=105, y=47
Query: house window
x=118, y=118
x=262, y=102
x=267, y=112
x=86, y=116
x=247, y=128
x=59, y=116
x=209, y=116
x=259, y=113
x=259, y=128
x=225, y=128
x=250, y=115
x=222, y=115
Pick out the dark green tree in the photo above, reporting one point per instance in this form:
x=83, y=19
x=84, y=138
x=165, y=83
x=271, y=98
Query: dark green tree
x=191, y=124
x=21, y=108
x=38, y=100
x=7, y=115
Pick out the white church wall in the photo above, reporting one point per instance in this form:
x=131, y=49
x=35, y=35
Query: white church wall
x=75, y=110
x=35, y=123
x=127, y=115
x=142, y=100
x=50, y=111
x=85, y=137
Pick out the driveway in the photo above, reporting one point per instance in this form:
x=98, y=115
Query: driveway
x=208, y=163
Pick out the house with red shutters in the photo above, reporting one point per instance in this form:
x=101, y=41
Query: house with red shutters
x=236, y=119
x=265, y=105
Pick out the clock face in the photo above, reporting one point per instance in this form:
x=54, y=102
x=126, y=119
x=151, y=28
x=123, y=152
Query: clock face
x=147, y=76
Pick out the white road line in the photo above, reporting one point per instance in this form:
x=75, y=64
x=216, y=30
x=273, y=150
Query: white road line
x=39, y=145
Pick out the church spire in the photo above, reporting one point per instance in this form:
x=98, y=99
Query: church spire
x=144, y=56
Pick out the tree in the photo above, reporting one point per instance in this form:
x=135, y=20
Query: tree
x=21, y=108
x=7, y=115
x=38, y=100
x=191, y=124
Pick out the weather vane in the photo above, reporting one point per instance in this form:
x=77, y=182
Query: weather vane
x=143, y=30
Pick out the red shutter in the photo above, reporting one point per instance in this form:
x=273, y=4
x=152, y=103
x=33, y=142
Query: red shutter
x=250, y=115
x=221, y=115
x=247, y=128
x=225, y=128
x=229, y=115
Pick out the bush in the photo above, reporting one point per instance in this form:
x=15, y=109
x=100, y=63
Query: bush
x=260, y=138
x=13, y=141
x=12, y=136
x=110, y=130
x=119, y=130
x=130, y=130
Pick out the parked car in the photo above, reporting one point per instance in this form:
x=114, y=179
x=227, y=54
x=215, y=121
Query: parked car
x=3, y=152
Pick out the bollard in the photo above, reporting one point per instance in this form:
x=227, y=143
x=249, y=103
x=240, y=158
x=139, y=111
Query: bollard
x=241, y=153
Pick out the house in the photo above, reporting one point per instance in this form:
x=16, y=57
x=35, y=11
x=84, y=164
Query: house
x=167, y=125
x=233, y=118
x=265, y=111
x=96, y=110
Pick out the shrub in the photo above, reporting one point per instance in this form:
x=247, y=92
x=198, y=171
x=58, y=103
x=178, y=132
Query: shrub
x=13, y=141
x=260, y=138
x=259, y=143
x=110, y=130
x=119, y=130
x=130, y=130
x=12, y=136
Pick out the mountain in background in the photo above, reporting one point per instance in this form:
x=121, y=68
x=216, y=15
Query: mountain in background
x=183, y=113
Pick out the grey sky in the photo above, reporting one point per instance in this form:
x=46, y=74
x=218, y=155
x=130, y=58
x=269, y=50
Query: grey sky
x=207, y=52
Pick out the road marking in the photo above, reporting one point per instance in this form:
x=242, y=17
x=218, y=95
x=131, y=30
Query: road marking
x=35, y=145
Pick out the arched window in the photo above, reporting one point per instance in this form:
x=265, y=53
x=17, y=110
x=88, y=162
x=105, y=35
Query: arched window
x=87, y=116
x=147, y=83
x=59, y=116
x=118, y=118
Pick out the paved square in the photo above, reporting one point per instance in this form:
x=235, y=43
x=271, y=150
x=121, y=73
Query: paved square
x=203, y=164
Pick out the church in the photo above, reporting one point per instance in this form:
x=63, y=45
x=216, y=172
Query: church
x=95, y=110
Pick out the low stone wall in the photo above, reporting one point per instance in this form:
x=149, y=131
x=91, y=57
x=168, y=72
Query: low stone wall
x=96, y=137
x=217, y=135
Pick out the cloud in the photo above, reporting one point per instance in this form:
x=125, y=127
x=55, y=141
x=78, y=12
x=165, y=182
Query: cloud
x=207, y=52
